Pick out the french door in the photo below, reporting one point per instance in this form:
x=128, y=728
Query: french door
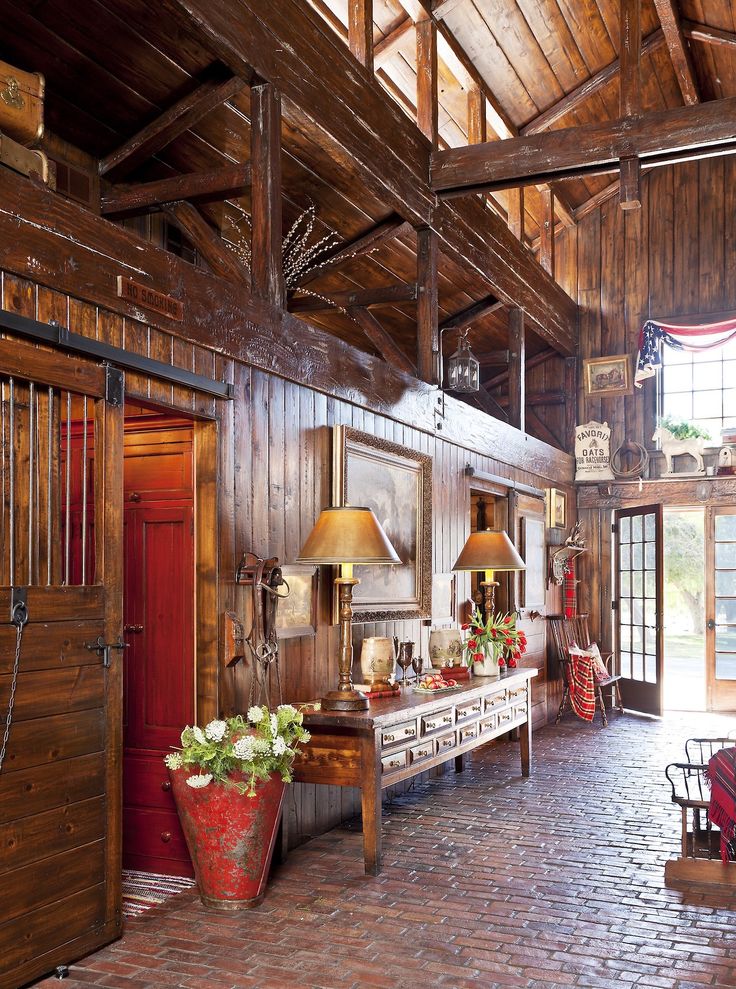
x=638, y=546
x=720, y=610
x=61, y=556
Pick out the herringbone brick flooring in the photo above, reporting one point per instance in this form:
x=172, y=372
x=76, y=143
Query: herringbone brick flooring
x=489, y=881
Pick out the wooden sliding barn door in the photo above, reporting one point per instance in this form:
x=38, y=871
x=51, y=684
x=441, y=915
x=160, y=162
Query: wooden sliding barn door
x=60, y=555
x=639, y=603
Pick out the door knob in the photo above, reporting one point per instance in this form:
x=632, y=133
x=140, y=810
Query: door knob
x=166, y=785
x=132, y=628
x=710, y=624
x=166, y=836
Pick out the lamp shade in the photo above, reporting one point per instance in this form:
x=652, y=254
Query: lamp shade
x=347, y=535
x=489, y=550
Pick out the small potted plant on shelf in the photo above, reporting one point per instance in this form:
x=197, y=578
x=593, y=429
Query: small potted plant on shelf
x=228, y=781
x=494, y=644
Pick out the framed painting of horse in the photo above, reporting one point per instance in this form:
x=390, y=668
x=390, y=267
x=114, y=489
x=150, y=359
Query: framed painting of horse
x=607, y=376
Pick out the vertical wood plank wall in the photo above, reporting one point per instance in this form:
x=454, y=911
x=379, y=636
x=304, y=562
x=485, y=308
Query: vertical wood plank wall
x=674, y=256
x=274, y=462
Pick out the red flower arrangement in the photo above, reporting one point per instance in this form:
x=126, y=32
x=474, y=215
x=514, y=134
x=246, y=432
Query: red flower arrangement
x=498, y=630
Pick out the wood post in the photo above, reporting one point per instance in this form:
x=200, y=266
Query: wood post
x=630, y=97
x=516, y=213
x=360, y=31
x=427, y=102
x=427, y=328
x=517, y=371
x=477, y=124
x=267, y=275
x=547, y=232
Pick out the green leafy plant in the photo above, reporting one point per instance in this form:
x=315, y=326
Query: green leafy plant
x=683, y=430
x=498, y=631
x=258, y=745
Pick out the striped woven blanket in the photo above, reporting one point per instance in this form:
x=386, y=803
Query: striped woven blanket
x=721, y=775
x=582, y=686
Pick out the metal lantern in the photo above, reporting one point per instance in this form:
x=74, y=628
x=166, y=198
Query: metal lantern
x=463, y=369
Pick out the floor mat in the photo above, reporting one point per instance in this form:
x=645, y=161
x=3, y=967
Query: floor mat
x=143, y=890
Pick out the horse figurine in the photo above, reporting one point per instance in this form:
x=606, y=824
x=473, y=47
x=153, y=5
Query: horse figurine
x=673, y=447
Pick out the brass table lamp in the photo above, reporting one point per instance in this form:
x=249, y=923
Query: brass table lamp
x=346, y=536
x=489, y=550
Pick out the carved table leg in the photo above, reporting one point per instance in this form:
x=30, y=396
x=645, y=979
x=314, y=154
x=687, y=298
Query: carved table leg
x=525, y=744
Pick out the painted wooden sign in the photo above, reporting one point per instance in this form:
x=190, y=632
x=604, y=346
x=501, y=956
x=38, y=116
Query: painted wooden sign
x=150, y=298
x=593, y=452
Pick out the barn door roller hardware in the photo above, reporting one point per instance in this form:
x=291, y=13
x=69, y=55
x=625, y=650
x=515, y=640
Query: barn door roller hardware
x=53, y=333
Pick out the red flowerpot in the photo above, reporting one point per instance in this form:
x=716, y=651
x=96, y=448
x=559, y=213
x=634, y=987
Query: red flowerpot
x=230, y=837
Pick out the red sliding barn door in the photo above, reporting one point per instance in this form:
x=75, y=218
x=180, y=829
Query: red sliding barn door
x=60, y=552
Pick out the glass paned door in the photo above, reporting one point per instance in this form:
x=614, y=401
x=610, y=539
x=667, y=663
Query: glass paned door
x=720, y=589
x=638, y=574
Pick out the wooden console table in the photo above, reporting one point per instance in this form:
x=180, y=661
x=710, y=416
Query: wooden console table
x=398, y=738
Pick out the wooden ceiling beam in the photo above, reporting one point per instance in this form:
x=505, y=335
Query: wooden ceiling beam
x=534, y=398
x=221, y=183
x=517, y=369
x=387, y=295
x=365, y=243
x=427, y=93
x=493, y=358
x=266, y=266
x=630, y=97
x=288, y=44
x=679, y=50
x=208, y=242
x=428, y=336
x=392, y=43
x=708, y=35
x=360, y=31
x=587, y=89
x=540, y=429
x=174, y=121
x=471, y=314
x=540, y=358
x=381, y=340
x=661, y=137
x=482, y=399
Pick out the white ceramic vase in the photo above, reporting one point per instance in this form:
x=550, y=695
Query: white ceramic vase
x=445, y=647
x=489, y=667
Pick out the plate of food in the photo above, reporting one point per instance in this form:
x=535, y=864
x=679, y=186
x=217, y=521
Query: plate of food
x=434, y=683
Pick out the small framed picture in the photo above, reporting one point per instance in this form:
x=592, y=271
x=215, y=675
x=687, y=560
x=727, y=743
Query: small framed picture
x=443, y=597
x=297, y=613
x=556, y=509
x=607, y=376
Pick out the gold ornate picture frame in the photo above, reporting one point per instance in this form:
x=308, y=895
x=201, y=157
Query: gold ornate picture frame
x=607, y=376
x=396, y=482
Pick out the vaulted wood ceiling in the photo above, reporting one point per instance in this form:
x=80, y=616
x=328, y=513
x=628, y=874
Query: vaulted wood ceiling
x=112, y=66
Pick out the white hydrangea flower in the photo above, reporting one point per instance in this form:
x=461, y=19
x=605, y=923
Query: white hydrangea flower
x=255, y=714
x=197, y=782
x=244, y=748
x=279, y=746
x=215, y=730
x=198, y=735
x=174, y=760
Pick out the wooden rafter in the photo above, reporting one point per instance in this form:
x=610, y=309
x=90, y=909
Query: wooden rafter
x=535, y=398
x=587, y=89
x=387, y=295
x=174, y=121
x=493, y=358
x=381, y=340
x=477, y=310
x=661, y=137
x=482, y=399
x=393, y=42
x=208, y=242
x=540, y=358
x=708, y=35
x=221, y=183
x=540, y=429
x=365, y=243
x=360, y=31
x=679, y=50
x=427, y=95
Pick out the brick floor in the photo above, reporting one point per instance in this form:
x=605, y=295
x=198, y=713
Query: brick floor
x=489, y=880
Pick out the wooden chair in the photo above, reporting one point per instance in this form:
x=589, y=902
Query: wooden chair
x=574, y=631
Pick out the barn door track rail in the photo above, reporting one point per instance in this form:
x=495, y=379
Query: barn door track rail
x=57, y=335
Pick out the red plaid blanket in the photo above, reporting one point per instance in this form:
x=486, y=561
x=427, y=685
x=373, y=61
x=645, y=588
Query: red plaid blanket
x=582, y=686
x=721, y=775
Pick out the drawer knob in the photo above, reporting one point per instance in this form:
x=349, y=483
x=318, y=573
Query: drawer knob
x=394, y=764
x=166, y=837
x=430, y=725
x=408, y=731
x=166, y=785
x=389, y=738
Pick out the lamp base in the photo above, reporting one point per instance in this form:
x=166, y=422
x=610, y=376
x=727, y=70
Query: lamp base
x=344, y=700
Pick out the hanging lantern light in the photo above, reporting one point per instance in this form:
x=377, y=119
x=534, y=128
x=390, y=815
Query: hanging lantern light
x=463, y=369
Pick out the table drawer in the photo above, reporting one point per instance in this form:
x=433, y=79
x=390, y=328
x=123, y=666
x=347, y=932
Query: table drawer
x=504, y=717
x=398, y=733
x=518, y=695
x=446, y=742
x=468, y=732
x=520, y=711
x=425, y=750
x=392, y=763
x=496, y=700
x=489, y=724
x=469, y=710
x=437, y=721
